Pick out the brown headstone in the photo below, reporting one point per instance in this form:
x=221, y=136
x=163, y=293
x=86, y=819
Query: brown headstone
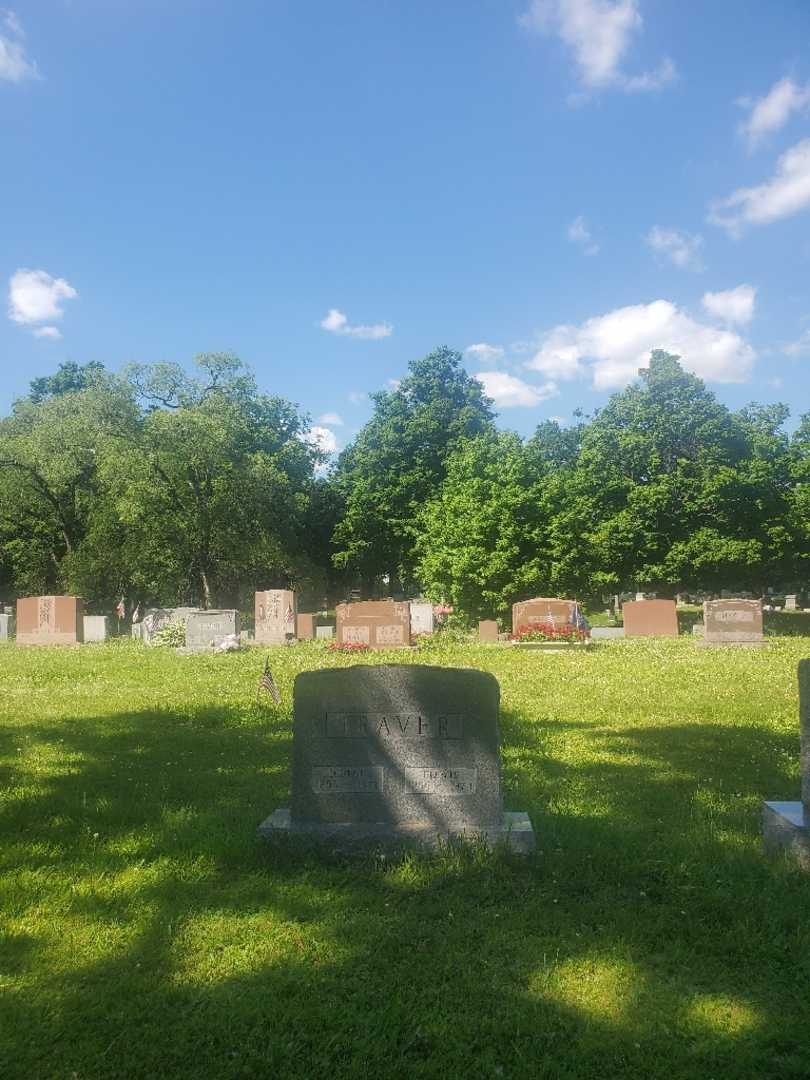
x=380, y=624
x=650, y=618
x=50, y=620
x=732, y=620
x=542, y=609
x=276, y=611
x=488, y=632
x=306, y=627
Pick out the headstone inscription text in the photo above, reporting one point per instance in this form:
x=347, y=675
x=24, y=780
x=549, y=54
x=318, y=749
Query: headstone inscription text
x=399, y=753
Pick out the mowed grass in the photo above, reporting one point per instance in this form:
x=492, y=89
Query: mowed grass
x=145, y=930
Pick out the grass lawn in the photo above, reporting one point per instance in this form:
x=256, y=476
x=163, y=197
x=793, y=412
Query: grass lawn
x=145, y=931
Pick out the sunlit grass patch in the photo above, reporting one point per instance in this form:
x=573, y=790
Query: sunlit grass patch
x=146, y=931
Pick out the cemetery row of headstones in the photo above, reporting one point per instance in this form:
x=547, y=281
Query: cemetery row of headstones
x=379, y=624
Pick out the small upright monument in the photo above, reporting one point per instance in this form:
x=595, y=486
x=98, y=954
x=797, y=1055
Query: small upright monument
x=786, y=825
x=378, y=624
x=276, y=614
x=397, y=754
x=544, y=610
x=732, y=622
x=50, y=620
x=650, y=618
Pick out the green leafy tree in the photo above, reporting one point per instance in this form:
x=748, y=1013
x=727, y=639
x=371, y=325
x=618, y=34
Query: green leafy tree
x=672, y=490
x=70, y=378
x=214, y=492
x=50, y=455
x=399, y=460
x=484, y=535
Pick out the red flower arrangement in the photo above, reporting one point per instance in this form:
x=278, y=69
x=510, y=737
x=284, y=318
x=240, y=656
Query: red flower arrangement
x=348, y=646
x=549, y=632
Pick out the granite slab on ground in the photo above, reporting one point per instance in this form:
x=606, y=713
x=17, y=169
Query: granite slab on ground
x=396, y=755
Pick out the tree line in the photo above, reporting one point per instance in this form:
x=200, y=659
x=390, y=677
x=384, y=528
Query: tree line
x=161, y=487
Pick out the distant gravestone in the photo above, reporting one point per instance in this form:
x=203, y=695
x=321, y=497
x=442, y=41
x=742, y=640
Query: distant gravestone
x=6, y=627
x=786, y=825
x=324, y=633
x=50, y=620
x=421, y=617
x=488, y=632
x=650, y=618
x=305, y=628
x=207, y=630
x=607, y=633
x=550, y=611
x=732, y=622
x=156, y=619
x=276, y=611
x=380, y=624
x=791, y=602
x=393, y=754
x=95, y=628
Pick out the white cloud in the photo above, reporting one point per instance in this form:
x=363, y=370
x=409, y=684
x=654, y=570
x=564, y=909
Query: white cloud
x=580, y=234
x=337, y=323
x=485, y=354
x=786, y=193
x=333, y=418
x=51, y=332
x=733, y=305
x=599, y=33
x=322, y=438
x=357, y=397
x=682, y=249
x=612, y=347
x=393, y=384
x=771, y=112
x=799, y=347
x=15, y=66
x=35, y=297
x=509, y=392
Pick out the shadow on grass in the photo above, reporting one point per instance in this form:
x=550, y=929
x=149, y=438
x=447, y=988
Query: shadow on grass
x=646, y=940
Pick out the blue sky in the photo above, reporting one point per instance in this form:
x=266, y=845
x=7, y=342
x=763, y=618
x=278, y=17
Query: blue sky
x=331, y=189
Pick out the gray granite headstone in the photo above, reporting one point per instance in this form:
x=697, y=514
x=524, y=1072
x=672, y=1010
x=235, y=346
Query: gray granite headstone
x=786, y=825
x=96, y=628
x=155, y=619
x=395, y=754
x=421, y=617
x=791, y=603
x=207, y=629
x=324, y=633
x=6, y=627
x=733, y=622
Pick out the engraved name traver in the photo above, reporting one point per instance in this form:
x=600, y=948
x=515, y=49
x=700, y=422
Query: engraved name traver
x=350, y=725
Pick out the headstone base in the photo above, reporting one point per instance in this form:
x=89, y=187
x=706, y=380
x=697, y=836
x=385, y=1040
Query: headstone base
x=703, y=644
x=786, y=828
x=515, y=831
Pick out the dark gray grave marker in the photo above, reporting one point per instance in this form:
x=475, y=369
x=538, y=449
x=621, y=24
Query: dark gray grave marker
x=386, y=755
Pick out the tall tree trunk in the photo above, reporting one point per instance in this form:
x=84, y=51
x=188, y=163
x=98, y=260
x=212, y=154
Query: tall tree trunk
x=206, y=590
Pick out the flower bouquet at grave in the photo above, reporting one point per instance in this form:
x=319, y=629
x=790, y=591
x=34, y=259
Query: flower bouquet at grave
x=173, y=635
x=568, y=633
x=347, y=646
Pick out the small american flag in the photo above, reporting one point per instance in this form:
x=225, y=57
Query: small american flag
x=267, y=682
x=289, y=615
